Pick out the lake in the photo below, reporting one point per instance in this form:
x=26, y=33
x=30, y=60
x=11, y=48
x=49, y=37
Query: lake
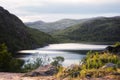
x=72, y=52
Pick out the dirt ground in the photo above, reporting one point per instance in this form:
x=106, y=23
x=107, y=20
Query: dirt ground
x=19, y=76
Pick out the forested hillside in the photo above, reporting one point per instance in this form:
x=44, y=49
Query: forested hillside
x=100, y=29
x=51, y=27
x=17, y=36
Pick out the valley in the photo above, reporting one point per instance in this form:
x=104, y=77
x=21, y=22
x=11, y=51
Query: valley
x=66, y=49
x=104, y=30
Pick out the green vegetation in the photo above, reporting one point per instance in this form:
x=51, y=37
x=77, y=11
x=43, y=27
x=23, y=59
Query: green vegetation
x=37, y=62
x=116, y=44
x=95, y=64
x=29, y=66
x=17, y=36
x=92, y=30
x=10, y=64
x=40, y=38
x=51, y=27
x=92, y=67
x=57, y=61
x=97, y=60
x=7, y=62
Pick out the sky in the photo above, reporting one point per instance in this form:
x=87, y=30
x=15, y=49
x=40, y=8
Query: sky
x=52, y=10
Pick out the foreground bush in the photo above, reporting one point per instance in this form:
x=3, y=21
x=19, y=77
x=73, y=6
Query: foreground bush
x=98, y=59
x=95, y=64
x=7, y=62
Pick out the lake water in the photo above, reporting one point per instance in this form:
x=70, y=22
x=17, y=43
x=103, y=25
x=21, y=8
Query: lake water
x=72, y=52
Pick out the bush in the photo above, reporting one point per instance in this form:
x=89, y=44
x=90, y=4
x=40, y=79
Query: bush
x=92, y=66
x=5, y=58
x=7, y=62
x=97, y=60
x=57, y=61
x=116, y=44
x=15, y=65
x=32, y=65
x=94, y=62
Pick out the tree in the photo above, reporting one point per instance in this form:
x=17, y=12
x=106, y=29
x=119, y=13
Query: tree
x=5, y=58
x=7, y=62
x=57, y=61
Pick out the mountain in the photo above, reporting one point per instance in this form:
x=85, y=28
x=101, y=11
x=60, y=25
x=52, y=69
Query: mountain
x=17, y=36
x=100, y=29
x=36, y=23
x=53, y=26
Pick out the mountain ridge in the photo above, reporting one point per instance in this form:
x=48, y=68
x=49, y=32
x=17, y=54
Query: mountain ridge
x=101, y=29
x=17, y=36
x=50, y=27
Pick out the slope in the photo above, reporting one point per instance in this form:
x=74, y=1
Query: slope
x=17, y=36
x=53, y=26
x=101, y=29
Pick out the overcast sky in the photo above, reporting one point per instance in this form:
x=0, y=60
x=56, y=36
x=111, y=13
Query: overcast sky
x=52, y=10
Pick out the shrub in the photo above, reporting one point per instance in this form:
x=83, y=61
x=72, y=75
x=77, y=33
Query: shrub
x=15, y=65
x=57, y=61
x=117, y=44
x=5, y=58
x=32, y=65
x=7, y=62
x=97, y=60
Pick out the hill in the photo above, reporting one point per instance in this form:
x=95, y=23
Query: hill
x=100, y=29
x=53, y=26
x=17, y=36
x=36, y=23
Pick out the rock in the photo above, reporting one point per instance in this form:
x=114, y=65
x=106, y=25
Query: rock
x=113, y=49
x=51, y=71
x=109, y=48
x=109, y=65
x=47, y=70
x=71, y=67
x=75, y=74
x=32, y=74
x=88, y=76
x=116, y=73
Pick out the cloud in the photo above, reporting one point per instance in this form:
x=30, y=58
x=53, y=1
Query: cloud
x=93, y=2
x=86, y=9
x=55, y=17
x=33, y=9
x=22, y=3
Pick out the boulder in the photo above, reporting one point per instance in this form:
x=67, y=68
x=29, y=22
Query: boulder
x=33, y=74
x=47, y=70
x=109, y=65
x=75, y=74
